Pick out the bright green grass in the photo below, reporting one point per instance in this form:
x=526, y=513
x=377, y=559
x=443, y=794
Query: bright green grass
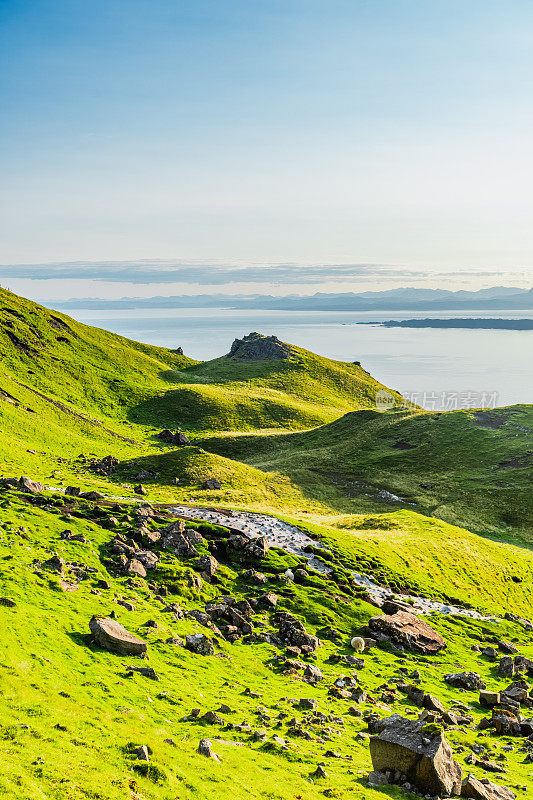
x=70, y=715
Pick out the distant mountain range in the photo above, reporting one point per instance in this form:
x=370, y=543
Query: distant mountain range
x=404, y=299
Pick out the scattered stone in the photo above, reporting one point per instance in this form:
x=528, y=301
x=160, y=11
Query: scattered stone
x=148, y=672
x=142, y=753
x=7, y=602
x=26, y=484
x=205, y=748
x=465, y=680
x=111, y=635
x=199, y=644
x=211, y=484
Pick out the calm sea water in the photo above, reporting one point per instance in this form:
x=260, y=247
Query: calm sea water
x=435, y=368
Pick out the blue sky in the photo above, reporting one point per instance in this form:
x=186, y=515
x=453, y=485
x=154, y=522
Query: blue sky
x=387, y=132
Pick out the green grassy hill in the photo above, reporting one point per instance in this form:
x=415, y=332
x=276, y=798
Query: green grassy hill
x=398, y=495
x=473, y=469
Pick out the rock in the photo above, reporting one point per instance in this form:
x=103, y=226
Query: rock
x=171, y=437
x=92, y=496
x=465, y=680
x=407, y=630
x=111, y=635
x=212, y=484
x=308, y=703
x=135, y=567
x=418, y=751
x=205, y=748
x=313, y=674
x=320, y=772
x=293, y=632
x=207, y=564
x=518, y=691
x=26, y=484
x=489, y=699
x=432, y=703
x=506, y=667
x=139, y=489
x=199, y=644
x=377, y=779
x=507, y=647
x=7, y=602
x=485, y=790
x=268, y=600
x=142, y=753
x=148, y=672
x=180, y=544
x=148, y=559
x=55, y=564
x=256, y=347
x=212, y=718
x=73, y=491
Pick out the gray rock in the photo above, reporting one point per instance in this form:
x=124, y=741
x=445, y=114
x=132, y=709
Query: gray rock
x=485, y=790
x=256, y=347
x=142, y=753
x=111, y=635
x=407, y=630
x=199, y=644
x=465, y=680
x=205, y=748
x=419, y=752
x=26, y=484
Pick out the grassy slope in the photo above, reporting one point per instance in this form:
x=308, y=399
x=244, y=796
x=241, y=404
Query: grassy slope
x=70, y=714
x=464, y=465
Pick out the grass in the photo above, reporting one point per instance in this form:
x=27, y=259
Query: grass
x=71, y=716
x=297, y=437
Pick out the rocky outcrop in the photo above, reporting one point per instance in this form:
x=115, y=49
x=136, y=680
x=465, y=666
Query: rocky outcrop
x=419, y=752
x=465, y=680
x=111, y=635
x=404, y=630
x=256, y=347
x=26, y=484
x=173, y=437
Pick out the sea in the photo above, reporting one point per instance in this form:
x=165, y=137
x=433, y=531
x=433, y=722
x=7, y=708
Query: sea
x=439, y=369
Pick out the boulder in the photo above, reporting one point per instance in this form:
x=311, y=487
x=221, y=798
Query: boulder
x=135, y=567
x=485, y=790
x=111, y=635
x=205, y=748
x=180, y=544
x=148, y=559
x=207, y=564
x=418, y=751
x=407, y=630
x=293, y=633
x=199, y=644
x=212, y=484
x=26, y=484
x=465, y=680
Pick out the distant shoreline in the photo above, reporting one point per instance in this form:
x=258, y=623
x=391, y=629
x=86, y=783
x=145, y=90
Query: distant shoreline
x=484, y=324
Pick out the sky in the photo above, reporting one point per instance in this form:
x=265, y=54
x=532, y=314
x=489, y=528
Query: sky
x=357, y=144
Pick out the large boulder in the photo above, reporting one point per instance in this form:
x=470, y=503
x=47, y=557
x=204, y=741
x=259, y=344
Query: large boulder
x=111, y=635
x=293, y=632
x=406, y=630
x=485, y=790
x=418, y=751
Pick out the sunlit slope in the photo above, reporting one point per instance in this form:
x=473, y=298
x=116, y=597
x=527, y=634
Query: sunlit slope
x=302, y=391
x=469, y=468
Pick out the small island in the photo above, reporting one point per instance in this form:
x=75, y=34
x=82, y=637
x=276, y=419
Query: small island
x=481, y=324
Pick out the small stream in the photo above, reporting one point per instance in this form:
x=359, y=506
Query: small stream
x=293, y=540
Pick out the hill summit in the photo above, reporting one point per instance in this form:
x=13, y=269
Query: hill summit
x=256, y=347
